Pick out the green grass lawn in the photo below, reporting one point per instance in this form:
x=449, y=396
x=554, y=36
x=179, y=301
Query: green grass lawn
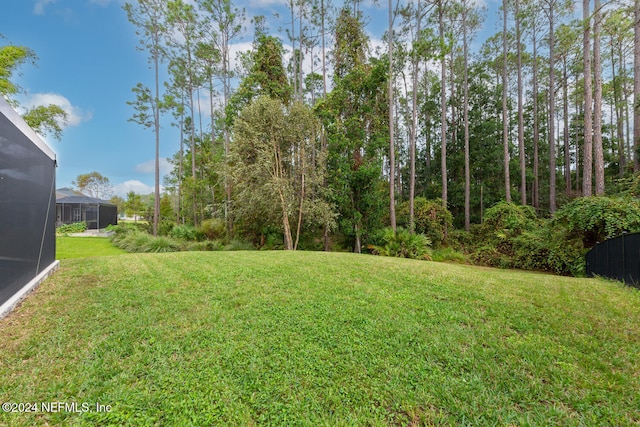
x=277, y=338
x=82, y=247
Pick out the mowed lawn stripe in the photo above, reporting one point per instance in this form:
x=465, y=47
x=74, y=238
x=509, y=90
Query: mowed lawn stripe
x=281, y=338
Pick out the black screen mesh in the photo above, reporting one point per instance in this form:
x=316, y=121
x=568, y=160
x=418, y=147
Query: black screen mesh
x=27, y=209
x=617, y=258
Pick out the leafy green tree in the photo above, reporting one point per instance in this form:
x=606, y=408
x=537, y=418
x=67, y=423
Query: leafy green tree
x=133, y=205
x=149, y=16
x=355, y=118
x=266, y=77
x=11, y=58
x=94, y=184
x=46, y=120
x=277, y=167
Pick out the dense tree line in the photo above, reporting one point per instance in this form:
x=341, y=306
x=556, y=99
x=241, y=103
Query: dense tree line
x=320, y=143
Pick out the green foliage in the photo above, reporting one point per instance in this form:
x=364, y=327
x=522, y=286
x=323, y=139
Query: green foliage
x=449, y=254
x=504, y=220
x=47, y=120
x=214, y=228
x=276, y=165
x=356, y=124
x=161, y=244
x=93, y=184
x=11, y=57
x=139, y=241
x=594, y=219
x=431, y=219
x=496, y=237
x=125, y=227
x=76, y=227
x=205, y=245
x=512, y=237
x=239, y=245
x=186, y=232
x=402, y=244
x=165, y=227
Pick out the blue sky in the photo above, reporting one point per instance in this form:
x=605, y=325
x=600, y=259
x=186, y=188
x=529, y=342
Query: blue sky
x=88, y=63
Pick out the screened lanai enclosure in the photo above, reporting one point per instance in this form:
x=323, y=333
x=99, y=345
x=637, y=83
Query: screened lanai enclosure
x=72, y=206
x=27, y=208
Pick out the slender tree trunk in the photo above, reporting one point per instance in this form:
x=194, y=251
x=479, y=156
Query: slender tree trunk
x=588, y=103
x=565, y=103
x=392, y=148
x=156, y=120
x=636, y=86
x=324, y=65
x=181, y=165
x=618, y=113
x=443, y=107
x=552, y=118
x=627, y=117
x=414, y=129
x=325, y=236
x=465, y=85
x=288, y=241
x=597, y=109
x=536, y=125
x=300, y=54
x=293, y=50
x=302, y=195
x=505, y=116
x=523, y=167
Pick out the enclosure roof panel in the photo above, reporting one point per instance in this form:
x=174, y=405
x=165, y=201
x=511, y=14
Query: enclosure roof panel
x=82, y=200
x=19, y=123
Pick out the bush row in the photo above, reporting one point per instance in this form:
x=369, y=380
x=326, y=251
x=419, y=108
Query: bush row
x=513, y=237
x=135, y=239
x=76, y=227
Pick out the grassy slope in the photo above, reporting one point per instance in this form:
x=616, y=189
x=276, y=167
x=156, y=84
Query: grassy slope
x=82, y=247
x=248, y=338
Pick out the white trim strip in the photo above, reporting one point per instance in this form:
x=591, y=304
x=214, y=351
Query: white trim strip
x=10, y=304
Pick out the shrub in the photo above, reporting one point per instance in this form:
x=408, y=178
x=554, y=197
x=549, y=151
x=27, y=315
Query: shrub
x=206, y=245
x=431, y=219
x=76, y=227
x=214, y=229
x=491, y=256
x=594, y=219
x=139, y=241
x=449, y=255
x=402, y=244
x=505, y=220
x=161, y=244
x=164, y=227
x=186, y=232
x=239, y=245
x=499, y=234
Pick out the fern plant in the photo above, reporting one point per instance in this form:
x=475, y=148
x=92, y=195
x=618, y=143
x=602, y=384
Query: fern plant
x=403, y=244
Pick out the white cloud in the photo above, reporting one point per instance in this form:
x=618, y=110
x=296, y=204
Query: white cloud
x=150, y=166
x=134, y=185
x=235, y=49
x=75, y=115
x=38, y=8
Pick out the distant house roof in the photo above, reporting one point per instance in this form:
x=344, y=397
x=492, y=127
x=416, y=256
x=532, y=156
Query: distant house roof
x=68, y=196
x=67, y=192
